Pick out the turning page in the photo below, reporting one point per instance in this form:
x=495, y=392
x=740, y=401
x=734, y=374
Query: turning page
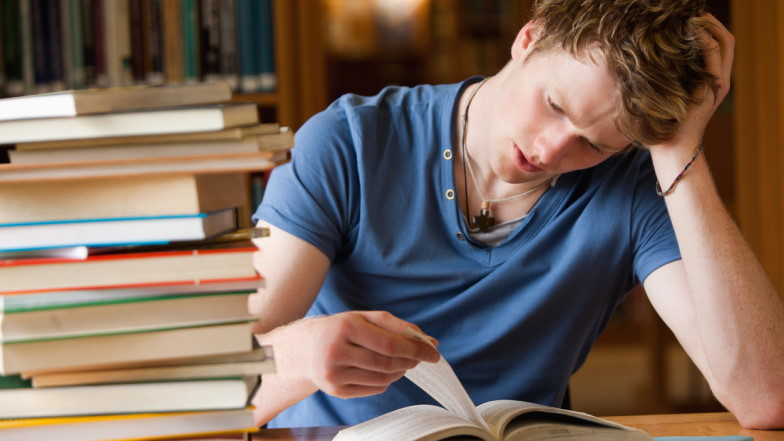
x=440, y=382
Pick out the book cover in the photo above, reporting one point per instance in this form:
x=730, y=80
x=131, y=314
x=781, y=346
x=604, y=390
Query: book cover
x=87, y=297
x=197, y=164
x=232, y=133
x=133, y=427
x=101, y=232
x=257, y=362
x=171, y=396
x=132, y=123
x=128, y=270
x=71, y=103
x=113, y=315
x=14, y=382
x=248, y=144
x=114, y=350
x=120, y=196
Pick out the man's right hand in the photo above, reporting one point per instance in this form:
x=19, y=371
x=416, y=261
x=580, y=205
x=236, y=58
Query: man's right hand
x=352, y=354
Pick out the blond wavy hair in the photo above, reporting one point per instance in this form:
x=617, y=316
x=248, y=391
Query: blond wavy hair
x=651, y=47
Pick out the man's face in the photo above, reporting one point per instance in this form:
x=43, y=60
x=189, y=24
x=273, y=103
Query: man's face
x=553, y=114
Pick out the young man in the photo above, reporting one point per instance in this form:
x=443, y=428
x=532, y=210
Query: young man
x=508, y=216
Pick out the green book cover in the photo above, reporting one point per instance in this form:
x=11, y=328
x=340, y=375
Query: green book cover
x=14, y=382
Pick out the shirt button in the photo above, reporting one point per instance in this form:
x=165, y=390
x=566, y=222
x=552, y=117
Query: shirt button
x=447, y=154
x=450, y=194
x=460, y=236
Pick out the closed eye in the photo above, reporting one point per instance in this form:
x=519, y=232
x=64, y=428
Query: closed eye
x=558, y=109
x=554, y=106
x=596, y=148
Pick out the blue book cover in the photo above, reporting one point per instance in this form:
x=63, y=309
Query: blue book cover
x=116, y=231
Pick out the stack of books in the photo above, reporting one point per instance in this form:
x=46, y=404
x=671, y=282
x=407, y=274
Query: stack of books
x=125, y=263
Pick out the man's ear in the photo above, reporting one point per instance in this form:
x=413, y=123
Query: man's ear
x=525, y=40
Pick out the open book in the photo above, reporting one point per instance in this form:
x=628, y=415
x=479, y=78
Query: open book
x=460, y=419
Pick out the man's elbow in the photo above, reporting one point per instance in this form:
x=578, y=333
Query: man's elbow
x=765, y=413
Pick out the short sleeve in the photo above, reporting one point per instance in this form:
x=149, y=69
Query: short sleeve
x=653, y=237
x=310, y=196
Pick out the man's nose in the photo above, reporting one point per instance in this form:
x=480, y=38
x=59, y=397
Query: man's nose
x=554, y=144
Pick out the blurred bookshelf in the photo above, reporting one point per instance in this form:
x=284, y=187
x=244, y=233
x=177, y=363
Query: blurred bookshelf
x=376, y=43
x=269, y=51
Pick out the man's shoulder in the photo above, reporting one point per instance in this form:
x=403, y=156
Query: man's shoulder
x=396, y=115
x=395, y=96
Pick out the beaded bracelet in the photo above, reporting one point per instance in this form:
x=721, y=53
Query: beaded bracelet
x=680, y=175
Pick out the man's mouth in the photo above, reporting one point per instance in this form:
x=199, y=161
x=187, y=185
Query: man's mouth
x=522, y=162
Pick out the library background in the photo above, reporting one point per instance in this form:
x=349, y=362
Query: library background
x=292, y=57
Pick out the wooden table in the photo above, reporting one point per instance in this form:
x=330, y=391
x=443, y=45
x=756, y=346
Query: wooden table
x=655, y=425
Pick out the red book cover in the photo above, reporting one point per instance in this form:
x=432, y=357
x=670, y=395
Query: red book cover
x=147, y=268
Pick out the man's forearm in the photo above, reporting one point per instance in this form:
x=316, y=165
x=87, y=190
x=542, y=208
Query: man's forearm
x=739, y=313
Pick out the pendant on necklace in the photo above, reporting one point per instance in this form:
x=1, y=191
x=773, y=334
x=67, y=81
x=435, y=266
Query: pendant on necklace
x=484, y=221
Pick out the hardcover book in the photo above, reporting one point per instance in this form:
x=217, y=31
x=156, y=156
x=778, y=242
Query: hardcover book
x=217, y=424
x=130, y=123
x=198, y=164
x=185, y=267
x=113, y=350
x=160, y=396
x=111, y=316
x=71, y=103
x=116, y=231
x=120, y=196
x=282, y=140
x=233, y=133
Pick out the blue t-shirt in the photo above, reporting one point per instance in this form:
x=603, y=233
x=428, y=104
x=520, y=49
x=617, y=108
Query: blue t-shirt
x=371, y=184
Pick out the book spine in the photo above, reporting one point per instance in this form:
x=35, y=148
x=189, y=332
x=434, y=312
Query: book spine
x=64, y=21
x=28, y=70
x=78, y=79
x=2, y=57
x=88, y=42
x=210, y=40
x=190, y=41
x=154, y=42
x=40, y=37
x=136, y=14
x=228, y=43
x=247, y=45
x=266, y=46
x=57, y=47
x=172, y=41
x=99, y=40
x=117, y=44
x=12, y=48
